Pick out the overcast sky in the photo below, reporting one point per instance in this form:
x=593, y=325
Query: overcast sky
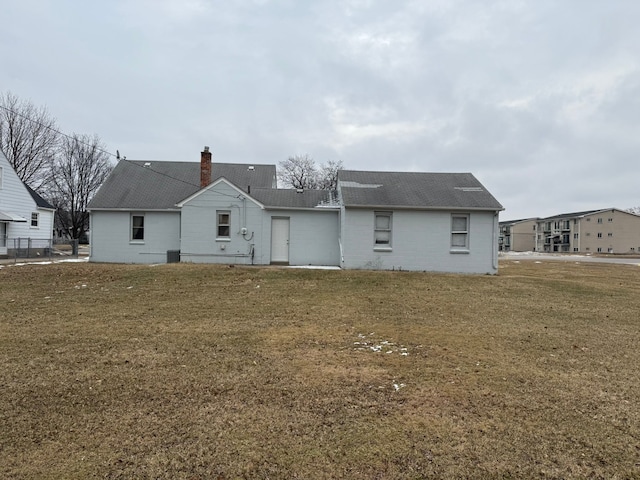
x=539, y=99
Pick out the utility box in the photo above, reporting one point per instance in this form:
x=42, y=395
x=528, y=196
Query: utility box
x=173, y=256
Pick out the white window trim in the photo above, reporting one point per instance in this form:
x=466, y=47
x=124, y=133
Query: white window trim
x=465, y=248
x=131, y=227
x=223, y=238
x=1, y=177
x=37, y=218
x=383, y=247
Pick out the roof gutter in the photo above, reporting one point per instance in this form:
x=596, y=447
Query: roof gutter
x=423, y=208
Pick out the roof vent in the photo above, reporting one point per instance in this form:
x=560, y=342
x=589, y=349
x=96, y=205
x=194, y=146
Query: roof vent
x=147, y=164
x=251, y=168
x=300, y=190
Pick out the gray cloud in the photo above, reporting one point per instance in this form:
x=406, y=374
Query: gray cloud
x=538, y=99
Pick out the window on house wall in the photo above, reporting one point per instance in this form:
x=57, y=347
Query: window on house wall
x=137, y=227
x=460, y=231
x=382, y=230
x=223, y=224
x=35, y=217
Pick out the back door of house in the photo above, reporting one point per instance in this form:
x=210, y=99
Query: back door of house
x=279, y=240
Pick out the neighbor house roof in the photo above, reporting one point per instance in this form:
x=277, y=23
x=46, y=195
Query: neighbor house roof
x=414, y=190
x=40, y=202
x=570, y=215
x=160, y=185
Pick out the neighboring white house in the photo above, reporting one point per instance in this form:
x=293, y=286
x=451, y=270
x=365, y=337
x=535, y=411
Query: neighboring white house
x=26, y=219
x=153, y=212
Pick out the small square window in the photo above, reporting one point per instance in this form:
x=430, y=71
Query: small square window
x=137, y=227
x=609, y=234
x=599, y=234
x=35, y=217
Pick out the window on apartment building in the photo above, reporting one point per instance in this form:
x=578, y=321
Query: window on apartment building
x=588, y=234
x=609, y=220
x=587, y=249
x=566, y=225
x=575, y=236
x=599, y=249
x=223, y=224
x=599, y=234
x=599, y=220
x=610, y=250
x=575, y=249
x=588, y=219
x=632, y=249
x=35, y=218
x=460, y=231
x=609, y=234
x=382, y=230
x=137, y=227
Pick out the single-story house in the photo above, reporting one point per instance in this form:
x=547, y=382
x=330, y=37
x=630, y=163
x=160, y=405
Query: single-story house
x=155, y=212
x=26, y=219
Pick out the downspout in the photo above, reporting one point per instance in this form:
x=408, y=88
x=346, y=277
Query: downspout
x=496, y=226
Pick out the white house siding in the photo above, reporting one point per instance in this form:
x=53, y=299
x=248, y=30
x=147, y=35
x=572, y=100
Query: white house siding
x=111, y=237
x=200, y=243
x=420, y=241
x=16, y=199
x=313, y=236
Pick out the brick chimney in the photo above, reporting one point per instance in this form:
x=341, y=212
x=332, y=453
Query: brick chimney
x=205, y=167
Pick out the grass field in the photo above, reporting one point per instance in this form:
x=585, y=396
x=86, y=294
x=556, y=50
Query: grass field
x=199, y=372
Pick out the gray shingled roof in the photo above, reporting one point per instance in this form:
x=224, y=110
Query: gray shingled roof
x=291, y=198
x=160, y=185
x=414, y=190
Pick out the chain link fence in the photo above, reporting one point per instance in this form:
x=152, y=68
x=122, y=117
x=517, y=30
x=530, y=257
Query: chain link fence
x=34, y=248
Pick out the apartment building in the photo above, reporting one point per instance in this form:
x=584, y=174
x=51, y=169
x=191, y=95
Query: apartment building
x=593, y=231
x=518, y=235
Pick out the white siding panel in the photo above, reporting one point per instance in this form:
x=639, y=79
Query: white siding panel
x=313, y=237
x=111, y=234
x=199, y=243
x=420, y=241
x=16, y=199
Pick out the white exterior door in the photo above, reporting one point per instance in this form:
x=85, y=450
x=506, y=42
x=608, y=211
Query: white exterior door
x=279, y=240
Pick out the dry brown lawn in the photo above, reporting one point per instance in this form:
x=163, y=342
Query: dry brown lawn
x=199, y=372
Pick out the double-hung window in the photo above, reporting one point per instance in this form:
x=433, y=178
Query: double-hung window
x=35, y=217
x=137, y=227
x=223, y=224
x=382, y=230
x=460, y=232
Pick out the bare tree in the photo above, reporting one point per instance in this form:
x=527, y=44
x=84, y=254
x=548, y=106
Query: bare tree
x=79, y=169
x=328, y=175
x=29, y=138
x=300, y=171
